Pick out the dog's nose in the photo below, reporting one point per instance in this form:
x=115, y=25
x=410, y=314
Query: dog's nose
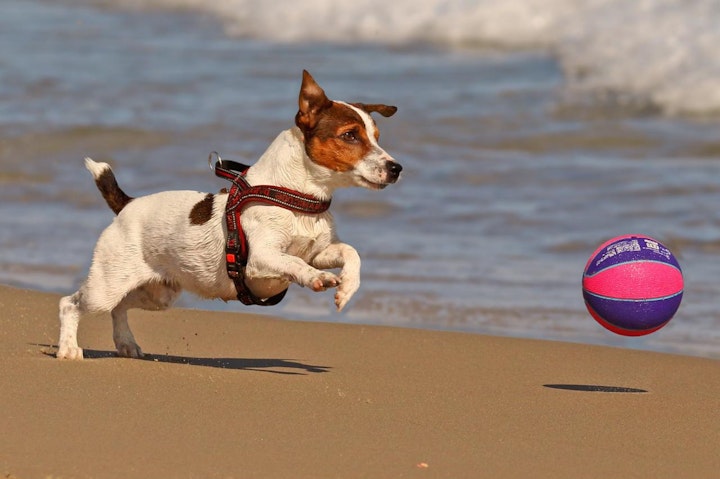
x=394, y=169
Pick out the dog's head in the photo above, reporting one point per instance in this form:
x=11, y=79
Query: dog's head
x=343, y=137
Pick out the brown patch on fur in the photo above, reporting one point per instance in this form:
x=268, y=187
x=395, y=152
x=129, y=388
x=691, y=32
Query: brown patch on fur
x=114, y=196
x=339, y=140
x=202, y=211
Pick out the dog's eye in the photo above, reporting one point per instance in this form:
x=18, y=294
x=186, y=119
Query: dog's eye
x=349, y=136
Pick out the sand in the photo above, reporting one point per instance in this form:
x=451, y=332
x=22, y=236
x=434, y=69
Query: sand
x=236, y=395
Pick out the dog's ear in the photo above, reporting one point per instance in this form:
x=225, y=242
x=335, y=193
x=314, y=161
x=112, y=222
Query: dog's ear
x=384, y=110
x=311, y=103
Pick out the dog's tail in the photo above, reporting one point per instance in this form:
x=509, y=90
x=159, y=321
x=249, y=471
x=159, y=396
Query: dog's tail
x=107, y=184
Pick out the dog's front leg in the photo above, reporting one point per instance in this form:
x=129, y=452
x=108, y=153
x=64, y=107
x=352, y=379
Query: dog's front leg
x=272, y=263
x=341, y=255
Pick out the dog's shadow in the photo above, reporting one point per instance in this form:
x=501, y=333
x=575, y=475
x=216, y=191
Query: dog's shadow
x=266, y=365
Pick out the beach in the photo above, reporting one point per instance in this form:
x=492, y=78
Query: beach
x=530, y=132
x=235, y=395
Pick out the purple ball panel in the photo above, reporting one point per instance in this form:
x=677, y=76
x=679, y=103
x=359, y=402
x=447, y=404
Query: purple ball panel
x=634, y=315
x=635, y=248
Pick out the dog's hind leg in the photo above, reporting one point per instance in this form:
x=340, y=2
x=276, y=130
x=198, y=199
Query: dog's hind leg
x=122, y=335
x=70, y=312
x=153, y=296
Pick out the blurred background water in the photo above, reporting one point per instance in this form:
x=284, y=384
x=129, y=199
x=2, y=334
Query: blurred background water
x=530, y=131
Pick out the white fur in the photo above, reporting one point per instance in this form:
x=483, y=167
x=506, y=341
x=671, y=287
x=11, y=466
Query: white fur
x=151, y=251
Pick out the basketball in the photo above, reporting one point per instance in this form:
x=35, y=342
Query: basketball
x=632, y=285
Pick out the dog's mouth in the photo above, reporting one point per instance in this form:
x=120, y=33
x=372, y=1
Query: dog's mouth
x=370, y=184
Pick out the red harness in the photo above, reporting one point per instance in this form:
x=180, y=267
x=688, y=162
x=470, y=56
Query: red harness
x=240, y=194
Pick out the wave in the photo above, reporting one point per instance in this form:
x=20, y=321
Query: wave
x=662, y=52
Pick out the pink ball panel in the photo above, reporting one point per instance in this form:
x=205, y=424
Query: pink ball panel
x=636, y=280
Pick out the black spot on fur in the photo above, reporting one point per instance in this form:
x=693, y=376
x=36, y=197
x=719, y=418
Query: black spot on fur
x=202, y=211
x=114, y=196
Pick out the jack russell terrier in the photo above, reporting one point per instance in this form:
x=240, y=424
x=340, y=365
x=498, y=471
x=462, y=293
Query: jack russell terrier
x=161, y=244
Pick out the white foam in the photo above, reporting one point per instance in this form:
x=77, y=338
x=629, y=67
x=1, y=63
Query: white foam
x=661, y=51
x=657, y=51
x=510, y=22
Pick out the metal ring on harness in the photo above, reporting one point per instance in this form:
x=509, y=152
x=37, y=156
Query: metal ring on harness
x=211, y=163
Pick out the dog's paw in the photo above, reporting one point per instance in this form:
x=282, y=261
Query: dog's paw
x=348, y=287
x=129, y=350
x=323, y=281
x=69, y=352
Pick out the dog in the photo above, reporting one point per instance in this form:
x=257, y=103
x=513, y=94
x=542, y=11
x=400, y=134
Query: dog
x=161, y=244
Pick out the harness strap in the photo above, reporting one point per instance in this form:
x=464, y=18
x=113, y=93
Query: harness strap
x=241, y=194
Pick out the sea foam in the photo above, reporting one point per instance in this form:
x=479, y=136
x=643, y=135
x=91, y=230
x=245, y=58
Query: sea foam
x=658, y=52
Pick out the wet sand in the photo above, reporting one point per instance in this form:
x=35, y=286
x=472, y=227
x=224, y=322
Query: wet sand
x=236, y=395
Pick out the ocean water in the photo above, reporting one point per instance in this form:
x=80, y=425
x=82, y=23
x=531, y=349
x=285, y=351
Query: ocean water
x=530, y=132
